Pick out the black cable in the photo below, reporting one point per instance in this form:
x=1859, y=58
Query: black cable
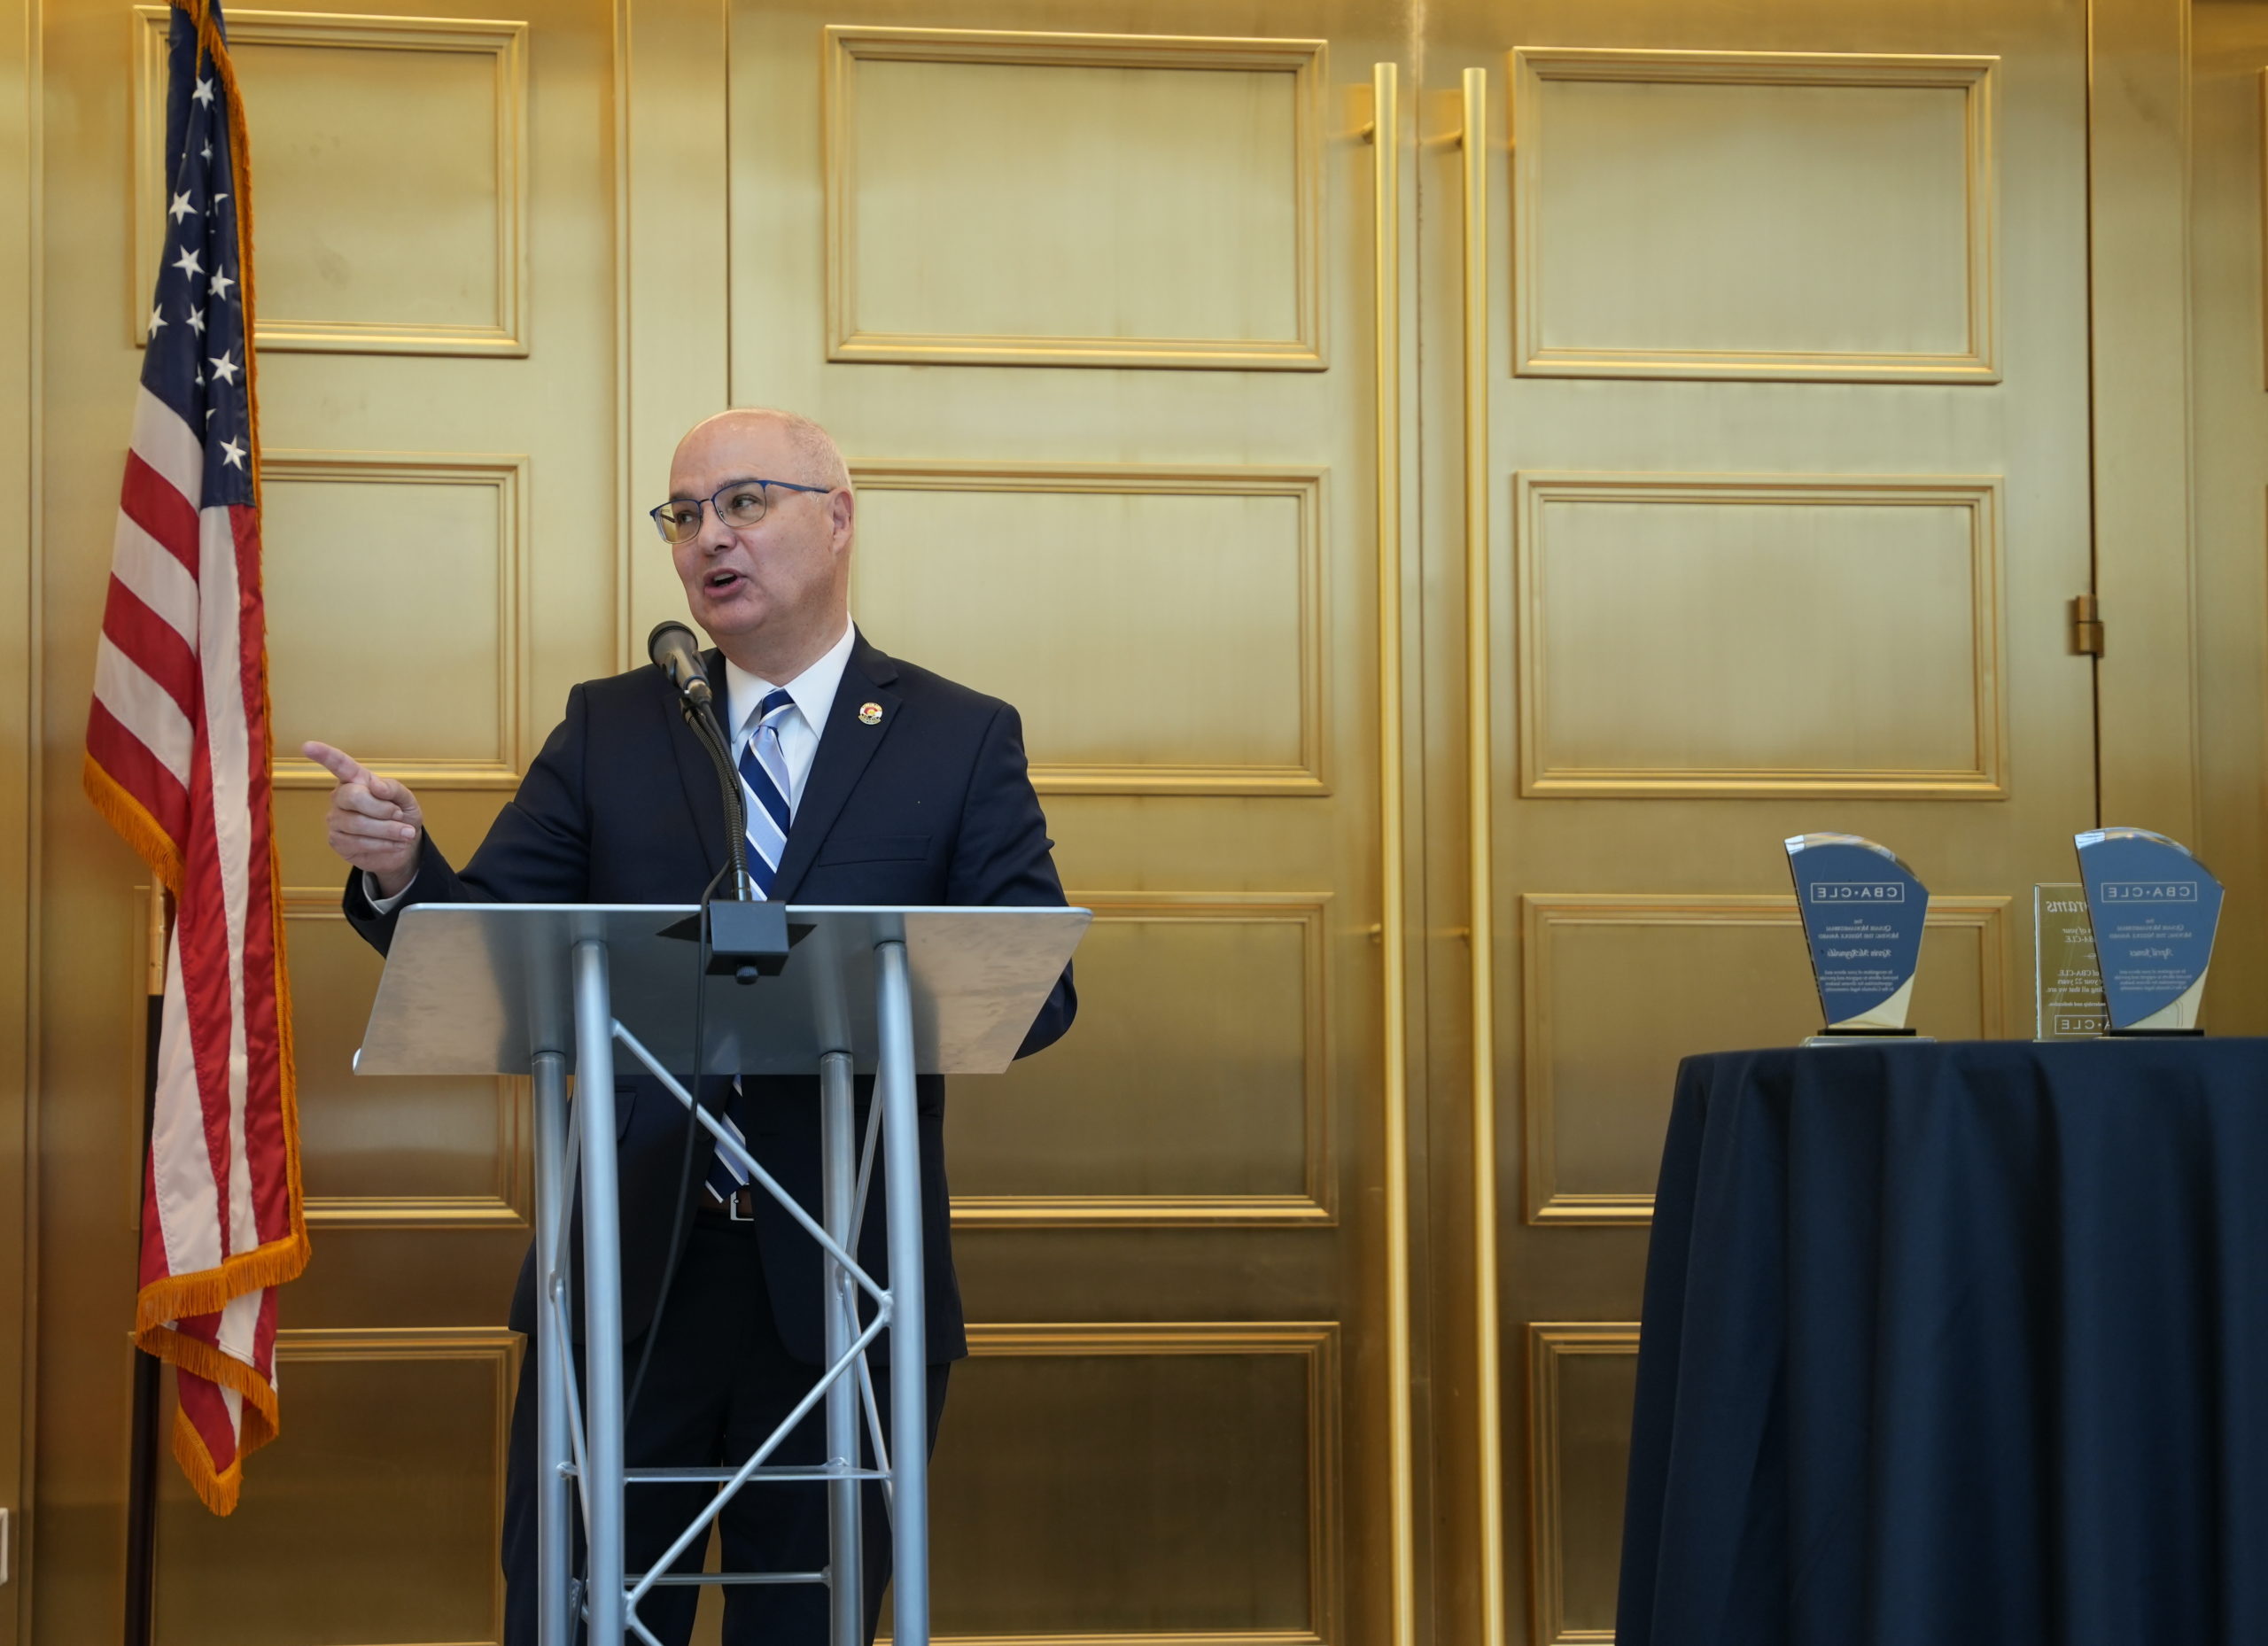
x=711, y=737
x=705, y=728
x=685, y=1161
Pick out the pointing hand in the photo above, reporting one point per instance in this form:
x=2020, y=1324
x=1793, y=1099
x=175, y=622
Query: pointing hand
x=374, y=822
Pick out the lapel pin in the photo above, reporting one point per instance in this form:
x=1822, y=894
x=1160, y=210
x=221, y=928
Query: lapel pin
x=870, y=714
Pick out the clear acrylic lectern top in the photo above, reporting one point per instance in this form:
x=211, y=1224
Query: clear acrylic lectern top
x=478, y=988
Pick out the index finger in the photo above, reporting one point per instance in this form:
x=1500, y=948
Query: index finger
x=337, y=762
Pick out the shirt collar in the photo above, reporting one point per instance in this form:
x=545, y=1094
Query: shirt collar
x=814, y=689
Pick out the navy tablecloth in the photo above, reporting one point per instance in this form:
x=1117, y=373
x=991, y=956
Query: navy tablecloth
x=1956, y=1343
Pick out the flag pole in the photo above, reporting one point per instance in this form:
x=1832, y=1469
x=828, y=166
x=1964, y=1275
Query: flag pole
x=149, y=1385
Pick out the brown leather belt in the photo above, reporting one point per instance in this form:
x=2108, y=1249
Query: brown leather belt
x=740, y=1209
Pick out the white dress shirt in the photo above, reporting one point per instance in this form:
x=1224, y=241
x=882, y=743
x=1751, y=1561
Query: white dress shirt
x=813, y=691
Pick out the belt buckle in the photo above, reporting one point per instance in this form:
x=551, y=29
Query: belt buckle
x=732, y=1205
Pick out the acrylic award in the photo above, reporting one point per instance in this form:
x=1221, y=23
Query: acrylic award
x=2155, y=909
x=2067, y=982
x=1862, y=913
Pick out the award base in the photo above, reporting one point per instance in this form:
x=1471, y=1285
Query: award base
x=2154, y=1034
x=1859, y=1036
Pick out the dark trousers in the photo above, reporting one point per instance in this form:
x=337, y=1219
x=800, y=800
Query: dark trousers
x=721, y=1382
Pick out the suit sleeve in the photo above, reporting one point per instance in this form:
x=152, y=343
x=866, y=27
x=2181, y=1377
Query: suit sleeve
x=1001, y=856
x=537, y=851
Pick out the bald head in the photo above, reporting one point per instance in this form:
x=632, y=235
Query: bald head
x=814, y=456
x=773, y=592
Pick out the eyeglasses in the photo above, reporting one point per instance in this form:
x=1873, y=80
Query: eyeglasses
x=739, y=505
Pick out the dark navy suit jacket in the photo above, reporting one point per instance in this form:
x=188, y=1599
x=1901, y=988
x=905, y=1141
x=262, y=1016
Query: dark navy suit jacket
x=929, y=805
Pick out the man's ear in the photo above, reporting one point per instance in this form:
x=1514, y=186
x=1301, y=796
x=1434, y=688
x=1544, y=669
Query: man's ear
x=841, y=507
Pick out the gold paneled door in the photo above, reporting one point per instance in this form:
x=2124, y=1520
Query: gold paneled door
x=1772, y=411
x=1448, y=500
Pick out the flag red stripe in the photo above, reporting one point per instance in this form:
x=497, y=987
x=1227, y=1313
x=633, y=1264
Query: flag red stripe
x=154, y=1228
x=263, y=1334
x=150, y=501
x=202, y=1403
x=128, y=758
x=202, y=928
x=265, y=1141
x=154, y=644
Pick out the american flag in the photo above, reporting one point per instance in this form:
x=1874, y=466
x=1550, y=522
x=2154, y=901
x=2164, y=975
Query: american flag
x=178, y=745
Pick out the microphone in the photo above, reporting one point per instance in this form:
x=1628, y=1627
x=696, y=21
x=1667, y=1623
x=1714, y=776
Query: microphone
x=678, y=655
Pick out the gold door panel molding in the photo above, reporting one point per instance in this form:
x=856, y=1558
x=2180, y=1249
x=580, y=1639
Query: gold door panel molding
x=451, y=712
x=379, y=234
x=1169, y=620
x=1197, y=1091
x=1235, y=1543
x=1766, y=214
x=2262, y=200
x=1676, y=636
x=400, y=1153
x=390, y=1491
x=1616, y=988
x=1583, y=1377
x=1170, y=186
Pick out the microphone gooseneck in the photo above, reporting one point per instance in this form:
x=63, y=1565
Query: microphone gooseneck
x=677, y=654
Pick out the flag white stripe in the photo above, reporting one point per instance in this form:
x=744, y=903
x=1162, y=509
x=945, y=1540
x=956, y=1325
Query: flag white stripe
x=144, y=708
x=228, y=738
x=168, y=445
x=239, y=1324
x=181, y=1170
x=156, y=577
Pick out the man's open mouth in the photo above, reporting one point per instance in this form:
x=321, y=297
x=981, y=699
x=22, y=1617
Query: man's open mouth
x=720, y=580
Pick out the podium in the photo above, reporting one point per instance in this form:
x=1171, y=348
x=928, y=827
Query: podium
x=547, y=990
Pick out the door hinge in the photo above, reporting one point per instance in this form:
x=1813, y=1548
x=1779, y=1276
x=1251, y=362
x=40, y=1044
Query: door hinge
x=2086, y=626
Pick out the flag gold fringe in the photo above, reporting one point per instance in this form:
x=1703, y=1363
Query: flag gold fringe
x=209, y=1291
x=216, y=1487
x=133, y=821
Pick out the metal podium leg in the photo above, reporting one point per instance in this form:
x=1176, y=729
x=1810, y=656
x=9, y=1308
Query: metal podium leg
x=909, y=1349
x=601, y=1292
x=551, y=1443
x=846, y=1592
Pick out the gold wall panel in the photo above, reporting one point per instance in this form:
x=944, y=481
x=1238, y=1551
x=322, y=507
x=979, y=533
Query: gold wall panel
x=1582, y=1379
x=390, y=163
x=1206, y=676
x=356, y=544
x=1764, y=215
x=1677, y=635
x=1196, y=1091
x=378, y=1520
x=1169, y=187
x=1188, y=1495
x=395, y=1153
x=1615, y=988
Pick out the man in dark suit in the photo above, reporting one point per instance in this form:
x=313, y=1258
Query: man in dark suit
x=868, y=780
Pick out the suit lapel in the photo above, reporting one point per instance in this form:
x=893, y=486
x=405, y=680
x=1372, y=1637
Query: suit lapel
x=695, y=772
x=845, y=746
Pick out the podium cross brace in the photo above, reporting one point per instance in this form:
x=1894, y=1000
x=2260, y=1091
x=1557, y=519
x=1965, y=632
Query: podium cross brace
x=580, y=1431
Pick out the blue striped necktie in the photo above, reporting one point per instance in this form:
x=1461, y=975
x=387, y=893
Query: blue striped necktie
x=764, y=784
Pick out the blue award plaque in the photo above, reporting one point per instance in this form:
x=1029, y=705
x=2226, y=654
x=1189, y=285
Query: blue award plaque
x=2155, y=909
x=1862, y=912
